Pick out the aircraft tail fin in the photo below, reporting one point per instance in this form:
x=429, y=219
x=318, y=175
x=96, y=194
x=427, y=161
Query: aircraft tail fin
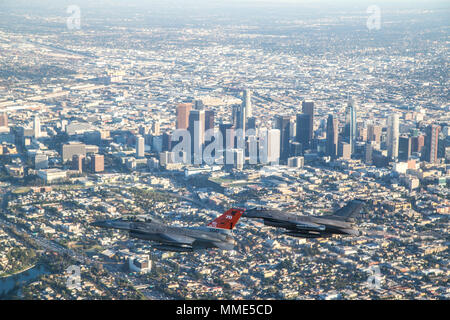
x=228, y=220
x=349, y=210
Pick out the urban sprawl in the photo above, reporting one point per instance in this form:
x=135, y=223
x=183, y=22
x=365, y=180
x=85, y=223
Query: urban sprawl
x=293, y=116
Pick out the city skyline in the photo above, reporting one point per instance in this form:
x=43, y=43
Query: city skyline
x=325, y=124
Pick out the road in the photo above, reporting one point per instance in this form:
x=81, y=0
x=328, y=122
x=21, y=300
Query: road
x=49, y=245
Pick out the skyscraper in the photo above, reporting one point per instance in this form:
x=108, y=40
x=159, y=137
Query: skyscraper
x=431, y=143
x=269, y=146
x=97, y=163
x=350, y=125
x=404, y=148
x=140, y=146
x=303, y=130
x=209, y=119
x=295, y=149
x=283, y=123
x=369, y=152
x=251, y=123
x=247, y=104
x=393, y=133
x=37, y=127
x=374, y=133
x=238, y=117
x=167, y=143
x=345, y=151
x=77, y=162
x=40, y=161
x=332, y=136
x=73, y=148
x=361, y=133
x=183, y=111
x=308, y=108
x=227, y=133
x=197, y=131
x=417, y=143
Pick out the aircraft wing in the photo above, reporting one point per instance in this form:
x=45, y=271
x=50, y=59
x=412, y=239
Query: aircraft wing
x=349, y=210
x=224, y=245
x=177, y=239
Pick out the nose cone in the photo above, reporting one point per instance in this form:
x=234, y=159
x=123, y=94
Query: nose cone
x=101, y=224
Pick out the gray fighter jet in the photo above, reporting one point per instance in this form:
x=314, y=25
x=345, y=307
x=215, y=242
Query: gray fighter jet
x=216, y=234
x=310, y=226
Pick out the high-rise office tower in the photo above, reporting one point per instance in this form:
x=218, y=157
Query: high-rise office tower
x=140, y=147
x=417, y=143
x=183, y=111
x=369, y=152
x=308, y=108
x=236, y=117
x=242, y=122
x=269, y=146
x=73, y=148
x=37, y=127
x=404, y=148
x=209, y=125
x=40, y=161
x=239, y=120
x=247, y=104
x=374, y=133
x=393, y=132
x=431, y=143
x=251, y=123
x=345, y=151
x=167, y=143
x=332, y=136
x=283, y=123
x=362, y=133
x=296, y=149
x=197, y=131
x=97, y=163
x=227, y=133
x=350, y=125
x=209, y=119
x=303, y=130
x=77, y=162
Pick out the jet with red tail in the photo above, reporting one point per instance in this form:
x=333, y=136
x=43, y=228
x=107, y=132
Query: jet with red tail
x=217, y=234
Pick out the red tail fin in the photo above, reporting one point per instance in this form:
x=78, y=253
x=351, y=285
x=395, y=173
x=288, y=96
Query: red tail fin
x=227, y=220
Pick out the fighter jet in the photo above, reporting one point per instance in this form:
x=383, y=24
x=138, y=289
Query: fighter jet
x=310, y=226
x=217, y=234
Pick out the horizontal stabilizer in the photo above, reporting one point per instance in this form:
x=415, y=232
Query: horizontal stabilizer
x=349, y=210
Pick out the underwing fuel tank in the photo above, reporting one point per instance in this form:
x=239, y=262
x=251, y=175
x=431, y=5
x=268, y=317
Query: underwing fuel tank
x=164, y=247
x=308, y=234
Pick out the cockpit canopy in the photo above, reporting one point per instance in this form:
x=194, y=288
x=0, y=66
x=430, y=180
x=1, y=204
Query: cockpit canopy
x=139, y=218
